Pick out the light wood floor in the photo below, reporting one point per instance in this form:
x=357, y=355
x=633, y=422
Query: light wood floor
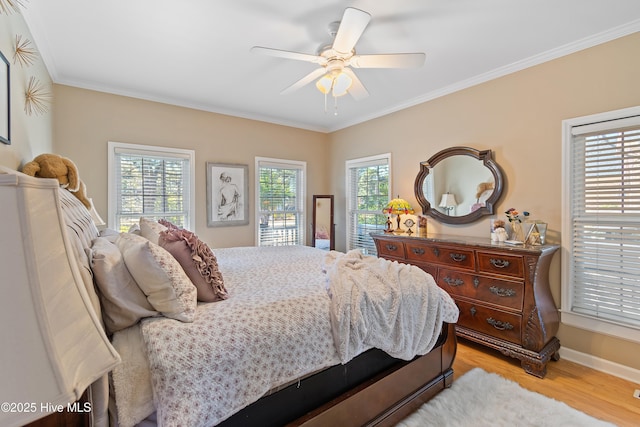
x=595, y=393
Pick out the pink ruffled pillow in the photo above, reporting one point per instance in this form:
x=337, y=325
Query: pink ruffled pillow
x=197, y=261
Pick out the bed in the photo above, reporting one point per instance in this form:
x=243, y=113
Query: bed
x=213, y=363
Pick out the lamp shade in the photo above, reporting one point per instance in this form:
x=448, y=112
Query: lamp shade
x=54, y=346
x=338, y=83
x=448, y=201
x=398, y=206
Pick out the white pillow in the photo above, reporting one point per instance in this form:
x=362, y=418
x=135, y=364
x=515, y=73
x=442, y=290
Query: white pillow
x=123, y=302
x=160, y=277
x=150, y=230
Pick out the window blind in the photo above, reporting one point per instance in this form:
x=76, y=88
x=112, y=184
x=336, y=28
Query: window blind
x=605, y=221
x=150, y=183
x=368, y=193
x=281, y=202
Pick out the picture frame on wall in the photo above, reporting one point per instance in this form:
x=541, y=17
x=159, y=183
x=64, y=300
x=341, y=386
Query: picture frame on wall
x=227, y=194
x=5, y=101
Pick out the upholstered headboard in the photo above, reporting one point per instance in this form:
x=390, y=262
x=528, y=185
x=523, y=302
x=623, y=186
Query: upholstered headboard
x=53, y=286
x=81, y=231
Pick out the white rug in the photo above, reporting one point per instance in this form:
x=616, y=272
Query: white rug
x=479, y=398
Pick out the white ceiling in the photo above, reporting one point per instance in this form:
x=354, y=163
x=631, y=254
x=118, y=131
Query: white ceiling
x=196, y=53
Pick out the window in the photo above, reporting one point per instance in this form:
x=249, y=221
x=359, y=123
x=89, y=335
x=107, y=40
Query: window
x=280, y=202
x=601, y=223
x=368, y=187
x=153, y=182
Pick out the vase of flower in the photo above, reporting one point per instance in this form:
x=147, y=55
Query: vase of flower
x=517, y=233
x=515, y=220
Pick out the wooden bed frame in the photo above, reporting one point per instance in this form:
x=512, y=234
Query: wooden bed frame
x=390, y=397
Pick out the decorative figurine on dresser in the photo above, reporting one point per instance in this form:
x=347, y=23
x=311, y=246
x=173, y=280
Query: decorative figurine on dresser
x=502, y=290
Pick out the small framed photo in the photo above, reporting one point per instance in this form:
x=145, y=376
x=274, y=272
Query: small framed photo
x=5, y=101
x=227, y=194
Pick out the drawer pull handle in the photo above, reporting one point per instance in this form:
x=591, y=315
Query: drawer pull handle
x=499, y=263
x=502, y=292
x=476, y=282
x=418, y=251
x=473, y=311
x=436, y=252
x=458, y=257
x=391, y=247
x=453, y=282
x=501, y=326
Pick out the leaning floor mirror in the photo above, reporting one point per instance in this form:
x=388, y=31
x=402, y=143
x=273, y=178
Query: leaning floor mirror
x=323, y=235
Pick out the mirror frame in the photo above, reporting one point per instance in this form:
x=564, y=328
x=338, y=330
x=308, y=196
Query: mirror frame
x=486, y=156
x=332, y=231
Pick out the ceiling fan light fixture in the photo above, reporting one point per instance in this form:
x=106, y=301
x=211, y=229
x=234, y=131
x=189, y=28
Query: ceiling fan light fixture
x=341, y=84
x=337, y=84
x=324, y=84
x=336, y=60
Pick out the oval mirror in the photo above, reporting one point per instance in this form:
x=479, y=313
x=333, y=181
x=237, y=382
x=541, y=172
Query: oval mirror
x=459, y=185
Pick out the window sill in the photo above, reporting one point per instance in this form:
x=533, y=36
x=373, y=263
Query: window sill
x=600, y=326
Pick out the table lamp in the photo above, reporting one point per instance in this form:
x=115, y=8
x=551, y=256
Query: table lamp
x=448, y=202
x=397, y=207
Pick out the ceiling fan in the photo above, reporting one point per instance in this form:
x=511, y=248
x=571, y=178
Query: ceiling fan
x=336, y=59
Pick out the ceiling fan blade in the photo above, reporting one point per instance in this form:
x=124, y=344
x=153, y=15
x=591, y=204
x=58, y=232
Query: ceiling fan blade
x=357, y=89
x=287, y=54
x=353, y=23
x=305, y=80
x=392, y=60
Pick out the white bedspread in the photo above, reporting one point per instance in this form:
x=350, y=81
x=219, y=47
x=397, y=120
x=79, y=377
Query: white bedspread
x=395, y=307
x=274, y=328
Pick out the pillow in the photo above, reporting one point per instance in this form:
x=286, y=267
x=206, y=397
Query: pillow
x=198, y=262
x=166, y=223
x=150, y=229
x=109, y=234
x=123, y=303
x=322, y=233
x=160, y=277
x=135, y=229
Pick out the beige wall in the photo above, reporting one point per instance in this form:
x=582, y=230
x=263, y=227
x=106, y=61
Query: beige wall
x=86, y=120
x=519, y=117
x=30, y=135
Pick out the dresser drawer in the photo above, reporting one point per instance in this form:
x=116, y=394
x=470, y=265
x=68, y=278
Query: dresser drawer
x=461, y=258
x=496, y=323
x=390, y=248
x=429, y=268
x=497, y=263
x=487, y=289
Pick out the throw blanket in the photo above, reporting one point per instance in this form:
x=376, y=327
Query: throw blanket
x=395, y=307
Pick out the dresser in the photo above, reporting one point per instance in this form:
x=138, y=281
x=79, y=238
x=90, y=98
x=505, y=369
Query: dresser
x=502, y=291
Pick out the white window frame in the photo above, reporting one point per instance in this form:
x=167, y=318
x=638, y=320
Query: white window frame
x=301, y=197
x=152, y=151
x=596, y=122
x=355, y=163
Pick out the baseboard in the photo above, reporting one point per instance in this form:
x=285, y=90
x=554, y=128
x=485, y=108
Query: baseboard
x=602, y=365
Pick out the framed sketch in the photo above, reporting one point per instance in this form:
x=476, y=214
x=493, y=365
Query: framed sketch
x=227, y=194
x=5, y=101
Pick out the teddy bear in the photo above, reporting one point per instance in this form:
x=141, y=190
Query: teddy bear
x=483, y=190
x=60, y=168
